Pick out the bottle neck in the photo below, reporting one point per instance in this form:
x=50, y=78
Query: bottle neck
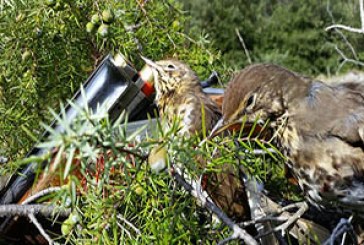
x=121, y=62
x=144, y=80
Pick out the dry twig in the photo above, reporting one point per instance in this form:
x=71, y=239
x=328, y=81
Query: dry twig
x=40, y=229
x=41, y=194
x=32, y=217
x=346, y=59
x=121, y=218
x=349, y=28
x=243, y=44
x=343, y=228
x=25, y=210
x=193, y=187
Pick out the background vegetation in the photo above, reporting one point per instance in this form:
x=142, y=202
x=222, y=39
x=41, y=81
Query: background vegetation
x=289, y=33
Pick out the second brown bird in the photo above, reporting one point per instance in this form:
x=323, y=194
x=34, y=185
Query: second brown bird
x=320, y=128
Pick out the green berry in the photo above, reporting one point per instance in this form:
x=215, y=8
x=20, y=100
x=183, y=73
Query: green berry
x=38, y=32
x=107, y=16
x=66, y=227
x=27, y=74
x=69, y=223
x=62, y=28
x=103, y=30
x=74, y=218
x=95, y=19
x=175, y=24
x=139, y=190
x=90, y=27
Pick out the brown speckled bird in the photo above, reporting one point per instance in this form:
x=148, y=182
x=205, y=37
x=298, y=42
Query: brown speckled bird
x=179, y=93
x=319, y=126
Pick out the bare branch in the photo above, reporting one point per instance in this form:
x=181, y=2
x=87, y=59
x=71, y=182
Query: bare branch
x=268, y=213
x=41, y=194
x=349, y=28
x=263, y=220
x=226, y=240
x=303, y=207
x=238, y=233
x=25, y=210
x=243, y=44
x=137, y=154
x=40, y=229
x=346, y=28
x=32, y=217
x=291, y=220
x=120, y=217
x=346, y=59
x=340, y=32
x=343, y=228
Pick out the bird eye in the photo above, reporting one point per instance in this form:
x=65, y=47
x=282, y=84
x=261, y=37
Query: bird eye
x=171, y=67
x=250, y=101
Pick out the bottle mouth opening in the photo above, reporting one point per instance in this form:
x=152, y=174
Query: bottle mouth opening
x=119, y=60
x=146, y=74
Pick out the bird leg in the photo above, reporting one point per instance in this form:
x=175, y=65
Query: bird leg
x=342, y=228
x=302, y=208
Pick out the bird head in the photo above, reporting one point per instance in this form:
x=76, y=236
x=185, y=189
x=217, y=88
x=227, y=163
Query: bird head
x=172, y=76
x=255, y=94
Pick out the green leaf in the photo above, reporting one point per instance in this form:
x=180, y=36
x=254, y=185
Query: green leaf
x=69, y=162
x=58, y=158
x=136, y=133
x=266, y=150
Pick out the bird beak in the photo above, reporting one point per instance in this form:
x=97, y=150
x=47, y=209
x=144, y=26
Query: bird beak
x=236, y=125
x=222, y=126
x=155, y=68
x=150, y=63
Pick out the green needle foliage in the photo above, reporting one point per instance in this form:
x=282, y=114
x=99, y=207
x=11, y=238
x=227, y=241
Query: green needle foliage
x=48, y=48
x=116, y=198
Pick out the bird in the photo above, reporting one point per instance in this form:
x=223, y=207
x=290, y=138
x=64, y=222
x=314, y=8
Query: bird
x=179, y=93
x=319, y=127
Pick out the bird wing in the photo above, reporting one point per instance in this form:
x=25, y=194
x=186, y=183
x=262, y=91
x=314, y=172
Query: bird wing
x=349, y=125
x=204, y=104
x=333, y=111
x=191, y=113
x=331, y=120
